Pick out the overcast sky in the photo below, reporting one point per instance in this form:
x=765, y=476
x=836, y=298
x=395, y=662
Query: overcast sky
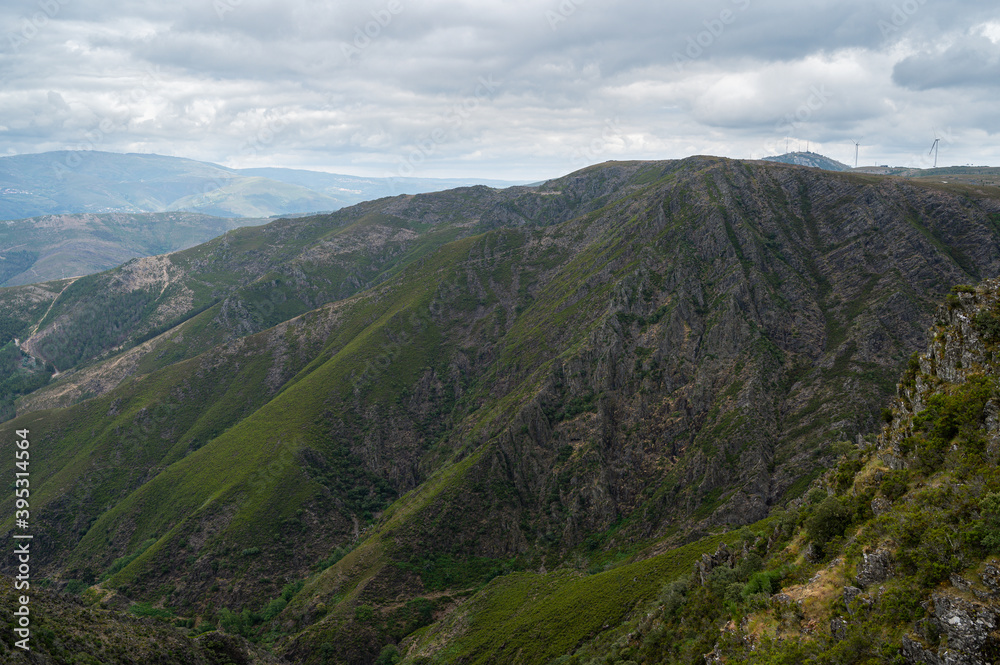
x=515, y=89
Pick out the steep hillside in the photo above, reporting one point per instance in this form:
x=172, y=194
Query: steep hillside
x=892, y=557
x=67, y=629
x=248, y=280
x=452, y=388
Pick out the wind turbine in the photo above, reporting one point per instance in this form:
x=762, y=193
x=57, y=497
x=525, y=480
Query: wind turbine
x=856, y=146
x=934, y=149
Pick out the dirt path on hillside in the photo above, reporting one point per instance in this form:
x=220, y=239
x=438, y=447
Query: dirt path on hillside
x=51, y=305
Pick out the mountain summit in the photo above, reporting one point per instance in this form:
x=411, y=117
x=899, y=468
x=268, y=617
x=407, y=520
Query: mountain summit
x=812, y=159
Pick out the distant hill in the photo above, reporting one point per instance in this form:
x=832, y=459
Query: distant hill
x=809, y=159
x=978, y=176
x=355, y=189
x=56, y=246
x=71, y=182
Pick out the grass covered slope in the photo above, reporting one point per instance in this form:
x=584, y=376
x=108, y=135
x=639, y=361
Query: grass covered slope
x=529, y=617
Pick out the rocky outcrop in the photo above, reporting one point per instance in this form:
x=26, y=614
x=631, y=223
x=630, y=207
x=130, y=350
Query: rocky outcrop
x=965, y=633
x=708, y=562
x=874, y=567
x=959, y=364
x=964, y=338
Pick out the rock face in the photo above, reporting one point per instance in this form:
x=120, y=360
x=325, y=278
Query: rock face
x=851, y=593
x=880, y=505
x=965, y=335
x=708, y=562
x=875, y=567
x=968, y=627
x=991, y=578
x=965, y=630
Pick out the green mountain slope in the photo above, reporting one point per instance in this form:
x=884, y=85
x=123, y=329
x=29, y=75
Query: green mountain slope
x=579, y=376
x=248, y=280
x=65, y=630
x=100, y=329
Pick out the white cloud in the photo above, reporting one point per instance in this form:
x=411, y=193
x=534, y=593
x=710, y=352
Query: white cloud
x=268, y=83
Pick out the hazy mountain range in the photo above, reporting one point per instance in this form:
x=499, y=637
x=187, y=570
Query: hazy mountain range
x=90, y=211
x=97, y=182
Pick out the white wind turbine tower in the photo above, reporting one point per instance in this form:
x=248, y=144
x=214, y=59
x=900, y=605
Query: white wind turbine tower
x=857, y=144
x=934, y=149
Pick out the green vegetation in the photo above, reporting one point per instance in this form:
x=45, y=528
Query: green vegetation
x=539, y=617
x=121, y=562
x=442, y=571
x=951, y=417
x=147, y=610
x=20, y=374
x=940, y=517
x=252, y=624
